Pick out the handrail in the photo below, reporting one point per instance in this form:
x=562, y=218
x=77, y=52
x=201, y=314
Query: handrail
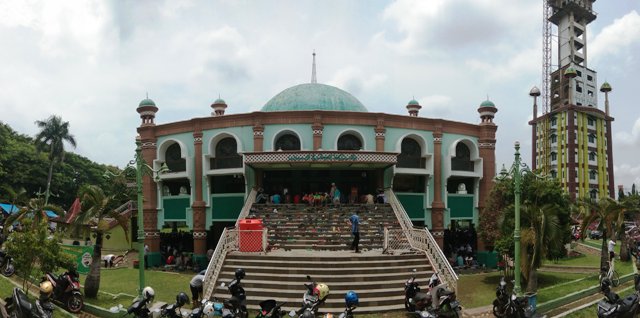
x=422, y=239
x=244, y=213
x=228, y=241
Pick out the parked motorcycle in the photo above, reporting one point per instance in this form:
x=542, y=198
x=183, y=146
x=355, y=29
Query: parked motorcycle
x=6, y=264
x=510, y=306
x=139, y=308
x=19, y=305
x=438, y=302
x=502, y=299
x=313, y=298
x=351, y=302
x=173, y=310
x=270, y=309
x=208, y=309
x=66, y=290
x=613, y=306
x=236, y=306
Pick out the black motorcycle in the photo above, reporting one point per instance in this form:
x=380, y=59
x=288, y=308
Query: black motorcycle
x=502, y=299
x=236, y=306
x=19, y=306
x=6, y=264
x=517, y=307
x=270, y=309
x=613, y=306
x=174, y=310
x=314, y=296
x=438, y=302
x=139, y=309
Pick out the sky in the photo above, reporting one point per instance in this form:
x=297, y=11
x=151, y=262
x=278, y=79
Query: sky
x=92, y=62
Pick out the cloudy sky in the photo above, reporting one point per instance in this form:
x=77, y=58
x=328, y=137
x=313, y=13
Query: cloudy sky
x=91, y=62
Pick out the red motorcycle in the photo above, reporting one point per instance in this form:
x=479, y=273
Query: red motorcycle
x=66, y=290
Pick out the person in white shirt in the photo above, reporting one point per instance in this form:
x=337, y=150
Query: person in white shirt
x=611, y=247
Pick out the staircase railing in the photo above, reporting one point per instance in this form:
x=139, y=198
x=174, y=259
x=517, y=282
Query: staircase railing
x=228, y=242
x=422, y=239
x=244, y=213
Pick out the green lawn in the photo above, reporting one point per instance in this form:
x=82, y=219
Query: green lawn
x=125, y=280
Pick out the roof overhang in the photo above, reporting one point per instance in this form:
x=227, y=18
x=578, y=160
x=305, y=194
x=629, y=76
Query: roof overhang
x=320, y=159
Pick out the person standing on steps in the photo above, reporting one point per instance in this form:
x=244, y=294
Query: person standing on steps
x=354, y=220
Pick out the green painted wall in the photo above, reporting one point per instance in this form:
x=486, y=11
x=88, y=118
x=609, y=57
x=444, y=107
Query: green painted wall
x=413, y=203
x=117, y=239
x=226, y=207
x=175, y=208
x=460, y=206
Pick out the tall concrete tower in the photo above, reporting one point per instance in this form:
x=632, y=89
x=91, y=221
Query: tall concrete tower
x=572, y=140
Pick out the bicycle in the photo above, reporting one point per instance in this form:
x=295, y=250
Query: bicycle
x=612, y=275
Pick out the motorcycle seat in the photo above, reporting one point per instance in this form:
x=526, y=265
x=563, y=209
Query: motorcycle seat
x=627, y=303
x=422, y=297
x=23, y=300
x=445, y=292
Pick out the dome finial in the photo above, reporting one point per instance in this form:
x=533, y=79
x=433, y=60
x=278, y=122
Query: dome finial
x=313, y=69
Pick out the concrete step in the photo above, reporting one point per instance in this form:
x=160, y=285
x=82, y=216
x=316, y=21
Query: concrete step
x=334, y=259
x=228, y=275
x=300, y=270
x=321, y=265
x=331, y=304
x=344, y=285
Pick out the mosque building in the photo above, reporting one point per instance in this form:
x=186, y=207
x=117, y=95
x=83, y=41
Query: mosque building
x=304, y=139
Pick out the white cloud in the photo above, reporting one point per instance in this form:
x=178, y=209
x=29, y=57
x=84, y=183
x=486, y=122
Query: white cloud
x=631, y=138
x=617, y=38
x=435, y=106
x=355, y=81
x=626, y=175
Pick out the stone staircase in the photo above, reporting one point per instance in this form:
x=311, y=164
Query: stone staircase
x=315, y=241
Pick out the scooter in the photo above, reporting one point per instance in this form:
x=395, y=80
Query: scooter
x=312, y=299
x=6, y=264
x=414, y=300
x=270, y=309
x=207, y=309
x=66, y=290
x=613, y=306
x=20, y=306
x=423, y=304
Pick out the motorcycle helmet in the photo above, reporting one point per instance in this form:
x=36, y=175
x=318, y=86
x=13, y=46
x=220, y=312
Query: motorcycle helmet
x=240, y=273
x=182, y=299
x=321, y=290
x=46, y=287
x=208, y=310
x=351, y=298
x=605, y=285
x=148, y=293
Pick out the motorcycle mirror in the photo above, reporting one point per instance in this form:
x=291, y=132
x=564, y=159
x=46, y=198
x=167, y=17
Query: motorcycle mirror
x=292, y=313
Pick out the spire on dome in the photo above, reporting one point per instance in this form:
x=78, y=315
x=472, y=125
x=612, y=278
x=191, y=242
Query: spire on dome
x=313, y=69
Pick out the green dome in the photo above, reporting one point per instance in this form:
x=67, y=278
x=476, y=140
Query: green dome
x=219, y=101
x=313, y=96
x=413, y=102
x=146, y=102
x=605, y=87
x=570, y=72
x=487, y=103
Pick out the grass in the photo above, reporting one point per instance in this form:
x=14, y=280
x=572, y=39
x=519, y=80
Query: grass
x=6, y=290
x=125, y=280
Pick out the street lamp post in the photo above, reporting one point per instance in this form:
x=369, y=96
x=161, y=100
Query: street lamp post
x=141, y=167
x=516, y=171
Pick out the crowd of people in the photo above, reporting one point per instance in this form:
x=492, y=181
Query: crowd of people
x=460, y=245
x=318, y=198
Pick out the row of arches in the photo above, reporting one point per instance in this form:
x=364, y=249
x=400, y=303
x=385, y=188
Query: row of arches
x=225, y=151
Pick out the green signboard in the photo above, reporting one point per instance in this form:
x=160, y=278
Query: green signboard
x=81, y=254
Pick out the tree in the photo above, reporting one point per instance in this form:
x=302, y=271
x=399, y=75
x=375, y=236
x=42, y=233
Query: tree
x=97, y=206
x=544, y=221
x=539, y=240
x=34, y=249
x=610, y=215
x=53, y=133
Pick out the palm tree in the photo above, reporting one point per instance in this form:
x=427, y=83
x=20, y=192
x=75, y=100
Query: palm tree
x=53, y=133
x=97, y=206
x=543, y=236
x=610, y=215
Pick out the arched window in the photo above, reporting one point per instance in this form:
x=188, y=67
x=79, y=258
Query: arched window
x=462, y=160
x=410, y=154
x=288, y=142
x=227, y=154
x=593, y=175
x=349, y=142
x=593, y=194
x=592, y=156
x=174, y=160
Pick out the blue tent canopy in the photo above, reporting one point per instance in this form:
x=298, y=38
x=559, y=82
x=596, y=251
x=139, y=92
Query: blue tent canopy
x=9, y=208
x=51, y=214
